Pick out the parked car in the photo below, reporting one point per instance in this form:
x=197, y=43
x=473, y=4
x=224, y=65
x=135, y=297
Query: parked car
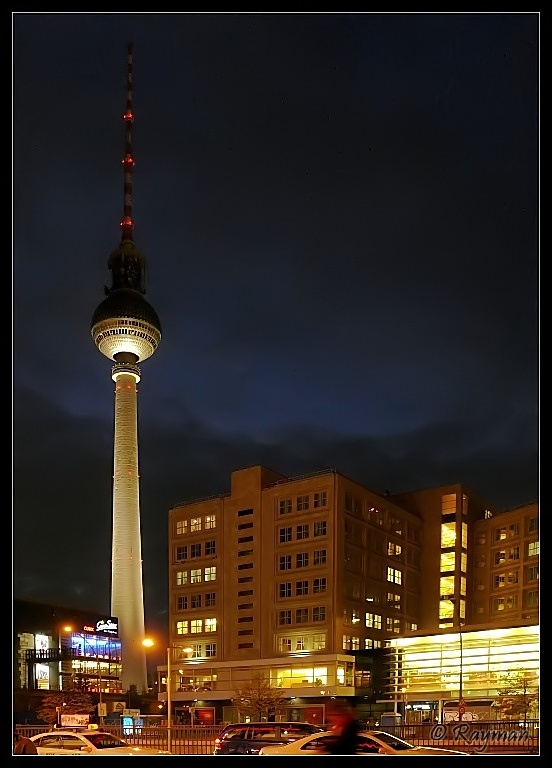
x=248, y=738
x=88, y=742
x=369, y=743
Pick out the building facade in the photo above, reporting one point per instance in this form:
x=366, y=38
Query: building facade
x=438, y=676
x=505, y=577
x=292, y=577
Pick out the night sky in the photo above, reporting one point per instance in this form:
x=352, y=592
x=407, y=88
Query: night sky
x=340, y=218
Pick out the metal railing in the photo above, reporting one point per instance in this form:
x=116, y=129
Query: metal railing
x=480, y=737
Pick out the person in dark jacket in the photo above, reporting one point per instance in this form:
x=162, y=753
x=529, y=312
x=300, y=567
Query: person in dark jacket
x=346, y=727
x=23, y=746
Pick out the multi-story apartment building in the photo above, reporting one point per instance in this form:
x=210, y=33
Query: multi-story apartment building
x=505, y=576
x=292, y=577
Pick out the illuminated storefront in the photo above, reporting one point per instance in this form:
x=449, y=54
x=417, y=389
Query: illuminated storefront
x=83, y=654
x=95, y=652
x=432, y=673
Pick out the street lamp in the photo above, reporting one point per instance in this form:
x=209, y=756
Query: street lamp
x=168, y=685
x=169, y=694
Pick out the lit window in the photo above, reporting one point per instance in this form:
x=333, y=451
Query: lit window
x=393, y=550
x=394, y=575
x=210, y=573
x=181, y=578
x=532, y=549
x=373, y=620
x=182, y=627
x=285, y=644
x=195, y=524
x=210, y=522
x=448, y=504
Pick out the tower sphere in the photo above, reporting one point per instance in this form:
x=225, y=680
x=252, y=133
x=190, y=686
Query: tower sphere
x=126, y=322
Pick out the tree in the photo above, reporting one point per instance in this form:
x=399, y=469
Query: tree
x=258, y=699
x=518, y=694
x=72, y=701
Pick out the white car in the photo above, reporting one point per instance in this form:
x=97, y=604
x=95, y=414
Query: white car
x=88, y=742
x=369, y=743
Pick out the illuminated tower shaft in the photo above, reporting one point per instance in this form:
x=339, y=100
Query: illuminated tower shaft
x=126, y=329
x=127, y=597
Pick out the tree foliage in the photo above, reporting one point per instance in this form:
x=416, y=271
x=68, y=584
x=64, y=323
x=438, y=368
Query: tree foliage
x=73, y=701
x=258, y=699
x=518, y=694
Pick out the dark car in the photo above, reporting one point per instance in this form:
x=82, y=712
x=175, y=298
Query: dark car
x=248, y=738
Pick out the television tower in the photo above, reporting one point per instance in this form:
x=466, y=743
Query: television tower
x=126, y=329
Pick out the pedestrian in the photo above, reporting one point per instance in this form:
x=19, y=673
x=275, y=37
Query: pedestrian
x=23, y=746
x=346, y=728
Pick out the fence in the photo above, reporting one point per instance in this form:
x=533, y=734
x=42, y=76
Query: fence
x=488, y=737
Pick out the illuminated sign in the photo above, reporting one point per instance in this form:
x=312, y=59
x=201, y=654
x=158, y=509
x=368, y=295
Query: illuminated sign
x=71, y=721
x=41, y=642
x=42, y=673
x=107, y=626
x=104, y=626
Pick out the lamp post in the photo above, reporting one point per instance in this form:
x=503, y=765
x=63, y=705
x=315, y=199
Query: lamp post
x=169, y=701
x=149, y=643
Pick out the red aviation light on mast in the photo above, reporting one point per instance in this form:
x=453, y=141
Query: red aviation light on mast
x=127, y=223
x=128, y=161
x=128, y=115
